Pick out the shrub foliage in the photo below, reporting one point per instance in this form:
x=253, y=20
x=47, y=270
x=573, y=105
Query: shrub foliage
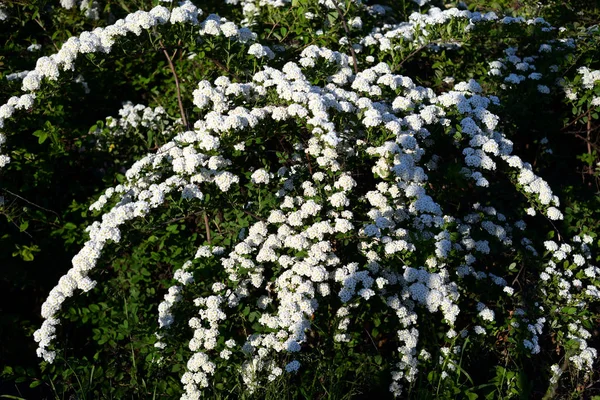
x=303, y=199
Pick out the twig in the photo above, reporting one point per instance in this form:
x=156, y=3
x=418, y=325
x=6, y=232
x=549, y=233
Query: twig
x=347, y=35
x=254, y=215
x=207, y=228
x=44, y=28
x=33, y=204
x=272, y=30
x=181, y=110
x=224, y=68
x=589, y=131
x=309, y=166
x=517, y=277
x=176, y=220
x=587, y=140
x=220, y=217
x=416, y=51
x=372, y=341
x=572, y=122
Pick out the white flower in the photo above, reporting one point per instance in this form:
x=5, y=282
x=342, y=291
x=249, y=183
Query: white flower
x=259, y=51
x=543, y=89
x=292, y=366
x=260, y=176
x=486, y=314
x=339, y=199
x=554, y=214
x=479, y=330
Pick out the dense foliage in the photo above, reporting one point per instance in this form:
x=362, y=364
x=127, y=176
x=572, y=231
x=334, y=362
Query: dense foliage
x=299, y=199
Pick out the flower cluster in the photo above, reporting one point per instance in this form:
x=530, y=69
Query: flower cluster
x=355, y=216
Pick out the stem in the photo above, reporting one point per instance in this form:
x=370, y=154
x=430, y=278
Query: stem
x=309, y=166
x=228, y=54
x=224, y=68
x=572, y=122
x=418, y=49
x=33, y=204
x=45, y=30
x=181, y=110
x=259, y=207
x=589, y=130
x=207, y=228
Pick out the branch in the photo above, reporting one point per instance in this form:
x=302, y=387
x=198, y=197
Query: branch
x=309, y=166
x=224, y=68
x=418, y=49
x=33, y=204
x=254, y=215
x=589, y=130
x=181, y=110
x=45, y=30
x=348, y=36
x=207, y=228
x=572, y=122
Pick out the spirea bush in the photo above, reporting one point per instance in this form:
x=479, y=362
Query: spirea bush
x=303, y=199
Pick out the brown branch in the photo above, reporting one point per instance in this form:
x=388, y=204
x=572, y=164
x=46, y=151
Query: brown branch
x=254, y=215
x=33, y=204
x=207, y=228
x=272, y=30
x=224, y=68
x=181, y=110
x=348, y=36
x=416, y=51
x=45, y=30
x=587, y=140
x=572, y=122
x=516, y=280
x=220, y=218
x=589, y=131
x=309, y=166
x=176, y=220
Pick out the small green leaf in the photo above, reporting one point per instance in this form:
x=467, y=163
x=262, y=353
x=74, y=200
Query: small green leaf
x=569, y=310
x=35, y=384
x=41, y=135
x=23, y=226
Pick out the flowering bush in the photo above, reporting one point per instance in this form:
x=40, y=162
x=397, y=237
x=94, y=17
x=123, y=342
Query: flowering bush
x=318, y=197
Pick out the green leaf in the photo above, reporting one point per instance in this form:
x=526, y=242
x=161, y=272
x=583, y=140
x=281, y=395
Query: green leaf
x=471, y=396
x=70, y=226
x=332, y=17
x=41, y=135
x=569, y=310
x=35, y=384
x=23, y=226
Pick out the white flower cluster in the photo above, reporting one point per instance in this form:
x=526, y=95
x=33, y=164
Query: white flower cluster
x=136, y=120
x=3, y=14
x=103, y=39
x=573, y=284
x=415, y=31
x=513, y=70
x=320, y=201
x=590, y=79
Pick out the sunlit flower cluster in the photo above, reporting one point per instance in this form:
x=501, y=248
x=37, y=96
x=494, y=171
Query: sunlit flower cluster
x=354, y=218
